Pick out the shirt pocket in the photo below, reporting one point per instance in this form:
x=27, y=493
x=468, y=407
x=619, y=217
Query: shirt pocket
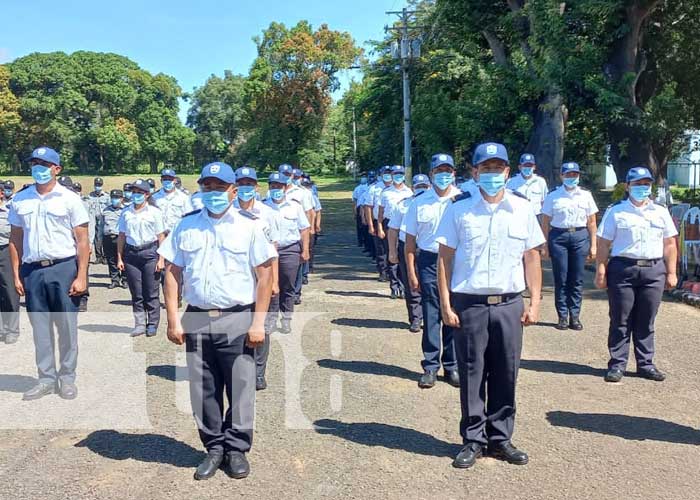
x=189, y=246
x=628, y=233
x=517, y=238
x=656, y=231
x=57, y=213
x=26, y=213
x=235, y=256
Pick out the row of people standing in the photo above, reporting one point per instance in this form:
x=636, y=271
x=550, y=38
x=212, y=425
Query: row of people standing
x=473, y=252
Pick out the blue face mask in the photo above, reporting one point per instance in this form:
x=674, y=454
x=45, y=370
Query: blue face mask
x=41, y=174
x=276, y=194
x=443, y=180
x=296, y=182
x=127, y=195
x=246, y=193
x=152, y=190
x=527, y=171
x=115, y=202
x=216, y=201
x=363, y=180
x=168, y=185
x=138, y=198
x=386, y=177
x=571, y=182
x=7, y=193
x=640, y=193
x=98, y=189
x=492, y=183
x=399, y=178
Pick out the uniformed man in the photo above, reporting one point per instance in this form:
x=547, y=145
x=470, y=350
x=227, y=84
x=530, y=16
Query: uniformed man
x=8, y=190
x=293, y=245
x=49, y=250
x=110, y=229
x=469, y=185
x=127, y=194
x=269, y=219
x=422, y=220
x=485, y=241
x=100, y=199
x=372, y=215
x=94, y=210
x=297, y=192
x=636, y=260
x=397, y=248
x=569, y=225
x=9, y=299
x=528, y=183
x=172, y=202
x=388, y=201
x=151, y=186
x=178, y=185
x=308, y=266
x=368, y=238
x=224, y=261
x=357, y=195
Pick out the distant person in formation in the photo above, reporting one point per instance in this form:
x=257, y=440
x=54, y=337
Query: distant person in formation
x=110, y=229
x=528, y=183
x=100, y=199
x=9, y=299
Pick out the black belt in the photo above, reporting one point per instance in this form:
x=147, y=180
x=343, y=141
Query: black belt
x=48, y=262
x=637, y=262
x=298, y=242
x=3, y=247
x=490, y=300
x=138, y=248
x=217, y=313
x=568, y=229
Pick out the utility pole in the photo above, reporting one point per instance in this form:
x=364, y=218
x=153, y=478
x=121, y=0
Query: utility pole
x=354, y=145
x=407, y=50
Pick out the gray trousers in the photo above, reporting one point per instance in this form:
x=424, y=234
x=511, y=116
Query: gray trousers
x=49, y=304
x=9, y=299
x=144, y=281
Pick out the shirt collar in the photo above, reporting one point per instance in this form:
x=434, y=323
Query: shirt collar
x=505, y=202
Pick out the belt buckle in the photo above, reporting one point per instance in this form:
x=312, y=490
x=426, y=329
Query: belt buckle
x=644, y=263
x=45, y=263
x=214, y=313
x=493, y=300
x=571, y=229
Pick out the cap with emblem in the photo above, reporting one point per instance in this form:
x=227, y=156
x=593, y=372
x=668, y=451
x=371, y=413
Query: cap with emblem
x=99, y=181
x=116, y=193
x=386, y=169
x=127, y=186
x=167, y=172
x=246, y=173
x=277, y=177
x=77, y=187
x=570, y=166
x=371, y=173
x=638, y=173
x=9, y=184
x=489, y=151
x=45, y=154
x=218, y=170
x=141, y=185
x=441, y=159
x=65, y=181
x=527, y=158
x=285, y=169
x=420, y=179
x=297, y=172
x=151, y=182
x=398, y=169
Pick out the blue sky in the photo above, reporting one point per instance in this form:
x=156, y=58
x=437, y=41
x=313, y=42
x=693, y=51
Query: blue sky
x=187, y=39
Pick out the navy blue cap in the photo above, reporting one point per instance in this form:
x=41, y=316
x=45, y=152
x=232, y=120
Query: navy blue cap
x=398, y=169
x=490, y=151
x=527, y=158
x=372, y=173
x=65, y=181
x=571, y=166
x=141, y=185
x=421, y=179
x=441, y=159
x=46, y=154
x=386, y=169
x=218, y=170
x=285, y=169
x=297, y=172
x=277, y=177
x=638, y=173
x=246, y=173
x=168, y=172
x=116, y=193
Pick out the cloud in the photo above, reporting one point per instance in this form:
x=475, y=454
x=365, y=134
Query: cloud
x=4, y=55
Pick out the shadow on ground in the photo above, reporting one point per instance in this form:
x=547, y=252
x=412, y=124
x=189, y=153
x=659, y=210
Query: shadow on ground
x=154, y=448
x=369, y=368
x=388, y=436
x=16, y=383
x=105, y=328
x=626, y=427
x=563, y=367
x=358, y=294
x=382, y=324
x=167, y=372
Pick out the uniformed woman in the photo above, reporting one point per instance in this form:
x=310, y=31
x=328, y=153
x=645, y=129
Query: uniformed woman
x=569, y=223
x=639, y=238
x=141, y=230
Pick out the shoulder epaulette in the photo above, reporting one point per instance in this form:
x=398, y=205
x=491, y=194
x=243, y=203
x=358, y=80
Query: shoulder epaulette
x=519, y=195
x=247, y=214
x=418, y=194
x=460, y=197
x=615, y=203
x=294, y=200
x=553, y=189
x=192, y=212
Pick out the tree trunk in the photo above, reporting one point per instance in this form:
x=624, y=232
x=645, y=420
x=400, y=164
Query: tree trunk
x=547, y=139
x=153, y=161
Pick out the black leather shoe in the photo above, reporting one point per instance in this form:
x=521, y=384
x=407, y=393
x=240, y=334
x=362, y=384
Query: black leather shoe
x=124, y=284
x=236, y=465
x=575, y=324
x=68, y=391
x=138, y=331
x=427, y=380
x=39, y=391
x=614, y=376
x=383, y=278
x=305, y=281
x=394, y=294
x=467, y=456
x=505, y=450
x=209, y=465
x=260, y=383
x=652, y=374
x=415, y=326
x=452, y=377
x=562, y=325
x=11, y=338
x=297, y=301
x=285, y=328
x=151, y=331
x=113, y=285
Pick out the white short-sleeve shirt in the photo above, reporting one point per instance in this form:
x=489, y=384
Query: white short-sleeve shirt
x=569, y=208
x=173, y=205
x=391, y=197
x=141, y=227
x=423, y=217
x=292, y=221
x=534, y=189
x=302, y=195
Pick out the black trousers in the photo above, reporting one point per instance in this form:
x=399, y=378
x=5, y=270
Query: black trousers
x=489, y=345
x=392, y=269
x=144, y=283
x=109, y=243
x=634, y=296
x=49, y=304
x=413, y=300
x=9, y=299
x=99, y=240
x=218, y=363
x=358, y=228
x=380, y=256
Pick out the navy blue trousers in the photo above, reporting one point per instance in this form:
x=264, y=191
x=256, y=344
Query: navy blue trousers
x=568, y=252
x=434, y=332
x=49, y=304
x=140, y=266
x=412, y=298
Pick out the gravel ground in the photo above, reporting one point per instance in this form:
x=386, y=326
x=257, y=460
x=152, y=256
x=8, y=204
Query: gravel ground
x=350, y=421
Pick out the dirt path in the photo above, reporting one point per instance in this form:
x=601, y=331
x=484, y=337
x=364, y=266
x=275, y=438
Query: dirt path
x=350, y=421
